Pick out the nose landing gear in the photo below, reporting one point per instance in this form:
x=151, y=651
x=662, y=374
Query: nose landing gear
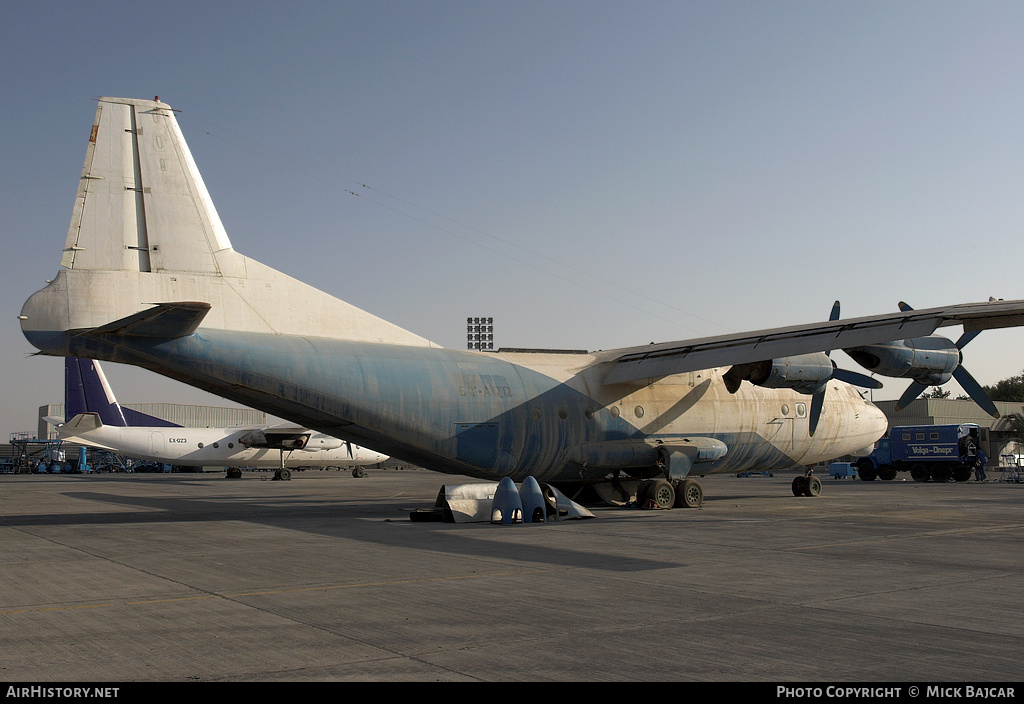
x=807, y=485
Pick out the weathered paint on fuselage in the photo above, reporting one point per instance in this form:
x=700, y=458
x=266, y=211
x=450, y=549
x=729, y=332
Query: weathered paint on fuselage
x=490, y=415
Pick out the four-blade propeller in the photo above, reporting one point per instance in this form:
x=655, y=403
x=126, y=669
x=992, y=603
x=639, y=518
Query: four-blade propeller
x=855, y=378
x=962, y=376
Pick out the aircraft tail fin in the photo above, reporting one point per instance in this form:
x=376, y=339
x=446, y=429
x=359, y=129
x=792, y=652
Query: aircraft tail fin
x=142, y=205
x=144, y=231
x=86, y=392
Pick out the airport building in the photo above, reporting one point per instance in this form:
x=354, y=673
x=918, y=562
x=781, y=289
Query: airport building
x=940, y=411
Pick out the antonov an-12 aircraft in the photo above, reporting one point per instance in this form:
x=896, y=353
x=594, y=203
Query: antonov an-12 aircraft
x=95, y=418
x=150, y=278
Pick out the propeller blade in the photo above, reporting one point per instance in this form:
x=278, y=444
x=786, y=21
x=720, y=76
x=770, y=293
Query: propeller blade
x=966, y=337
x=915, y=389
x=856, y=378
x=817, y=401
x=974, y=390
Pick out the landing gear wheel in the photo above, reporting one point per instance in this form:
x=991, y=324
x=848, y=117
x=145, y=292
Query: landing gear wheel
x=234, y=473
x=662, y=493
x=689, y=494
x=812, y=486
x=800, y=486
x=641, y=493
x=358, y=472
x=283, y=475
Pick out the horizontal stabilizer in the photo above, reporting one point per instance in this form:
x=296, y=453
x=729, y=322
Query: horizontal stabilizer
x=165, y=320
x=82, y=423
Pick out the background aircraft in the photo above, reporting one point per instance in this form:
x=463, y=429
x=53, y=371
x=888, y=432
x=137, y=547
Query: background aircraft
x=95, y=418
x=150, y=278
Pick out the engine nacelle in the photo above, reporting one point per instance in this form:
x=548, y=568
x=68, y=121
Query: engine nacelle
x=804, y=373
x=929, y=360
x=324, y=442
x=277, y=440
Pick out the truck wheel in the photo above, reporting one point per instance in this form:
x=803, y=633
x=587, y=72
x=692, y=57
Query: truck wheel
x=961, y=473
x=887, y=474
x=919, y=473
x=940, y=473
x=968, y=448
x=866, y=470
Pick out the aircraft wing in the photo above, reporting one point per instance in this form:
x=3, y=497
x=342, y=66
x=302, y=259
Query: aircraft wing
x=659, y=360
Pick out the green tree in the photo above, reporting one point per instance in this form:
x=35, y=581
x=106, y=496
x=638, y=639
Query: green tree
x=1011, y=389
x=936, y=392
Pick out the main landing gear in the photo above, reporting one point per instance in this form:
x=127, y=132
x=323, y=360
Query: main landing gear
x=807, y=485
x=662, y=493
x=282, y=474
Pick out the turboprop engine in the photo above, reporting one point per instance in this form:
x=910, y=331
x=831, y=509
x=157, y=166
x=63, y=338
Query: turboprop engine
x=319, y=441
x=804, y=373
x=287, y=440
x=929, y=360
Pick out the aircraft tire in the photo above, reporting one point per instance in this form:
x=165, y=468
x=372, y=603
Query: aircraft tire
x=812, y=486
x=234, y=473
x=662, y=493
x=799, y=486
x=689, y=494
x=642, y=491
x=358, y=472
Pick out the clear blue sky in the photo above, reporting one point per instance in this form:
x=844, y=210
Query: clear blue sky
x=591, y=174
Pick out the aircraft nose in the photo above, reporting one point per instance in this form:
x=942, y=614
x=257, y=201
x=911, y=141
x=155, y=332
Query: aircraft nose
x=871, y=423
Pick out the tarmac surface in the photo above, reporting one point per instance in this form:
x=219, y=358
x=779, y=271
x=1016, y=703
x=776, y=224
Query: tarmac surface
x=189, y=577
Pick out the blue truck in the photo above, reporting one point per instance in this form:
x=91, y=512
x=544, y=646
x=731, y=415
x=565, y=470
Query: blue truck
x=929, y=452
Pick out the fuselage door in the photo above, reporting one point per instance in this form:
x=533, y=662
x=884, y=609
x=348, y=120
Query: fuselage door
x=156, y=442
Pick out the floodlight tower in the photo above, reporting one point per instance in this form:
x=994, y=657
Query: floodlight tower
x=480, y=333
